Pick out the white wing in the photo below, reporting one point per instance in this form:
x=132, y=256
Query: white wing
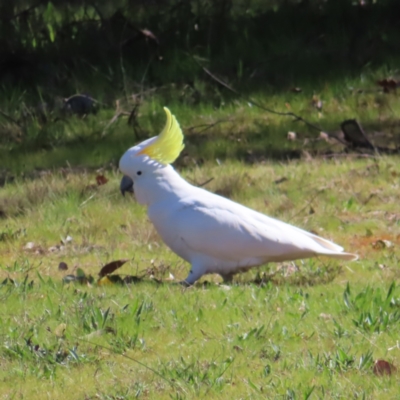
x=225, y=230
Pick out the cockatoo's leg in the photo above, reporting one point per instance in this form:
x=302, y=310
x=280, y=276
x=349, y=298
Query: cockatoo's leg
x=196, y=272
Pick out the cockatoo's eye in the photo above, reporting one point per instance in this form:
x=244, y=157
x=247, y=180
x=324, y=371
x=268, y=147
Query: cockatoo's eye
x=139, y=173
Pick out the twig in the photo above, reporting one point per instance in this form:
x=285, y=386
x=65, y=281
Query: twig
x=200, y=184
x=87, y=200
x=206, y=182
x=208, y=126
x=307, y=205
x=255, y=103
x=145, y=73
x=142, y=93
x=112, y=120
x=117, y=114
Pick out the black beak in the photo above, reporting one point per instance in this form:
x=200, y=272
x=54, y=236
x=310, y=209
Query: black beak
x=126, y=185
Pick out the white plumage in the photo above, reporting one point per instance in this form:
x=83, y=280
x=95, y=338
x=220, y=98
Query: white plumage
x=212, y=233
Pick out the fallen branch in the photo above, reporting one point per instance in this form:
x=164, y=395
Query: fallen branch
x=112, y=120
x=201, y=184
x=208, y=126
x=117, y=114
x=255, y=103
x=308, y=204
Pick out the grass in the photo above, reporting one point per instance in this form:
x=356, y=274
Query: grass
x=311, y=330
x=306, y=330
x=231, y=128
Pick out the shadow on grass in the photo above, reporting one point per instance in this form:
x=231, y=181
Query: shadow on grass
x=259, y=143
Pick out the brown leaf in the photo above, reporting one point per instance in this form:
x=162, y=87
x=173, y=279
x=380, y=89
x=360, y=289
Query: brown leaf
x=281, y=180
x=111, y=267
x=62, y=266
x=101, y=180
x=382, y=244
x=382, y=367
x=388, y=84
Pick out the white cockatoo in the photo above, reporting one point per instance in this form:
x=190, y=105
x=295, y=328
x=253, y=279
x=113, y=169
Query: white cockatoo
x=212, y=233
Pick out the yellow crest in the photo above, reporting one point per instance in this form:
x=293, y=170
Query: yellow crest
x=168, y=144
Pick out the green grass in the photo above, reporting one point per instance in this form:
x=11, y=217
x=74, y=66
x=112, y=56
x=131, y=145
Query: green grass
x=306, y=330
x=309, y=330
x=278, y=332
x=231, y=128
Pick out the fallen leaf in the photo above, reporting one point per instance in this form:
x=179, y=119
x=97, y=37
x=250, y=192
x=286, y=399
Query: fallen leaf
x=104, y=281
x=66, y=240
x=80, y=277
x=291, y=136
x=325, y=316
x=388, y=84
x=62, y=266
x=281, y=180
x=69, y=278
x=111, y=267
x=29, y=246
x=101, y=180
x=53, y=249
x=382, y=244
x=382, y=367
x=110, y=280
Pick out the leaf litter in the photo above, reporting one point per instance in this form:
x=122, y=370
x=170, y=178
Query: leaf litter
x=106, y=276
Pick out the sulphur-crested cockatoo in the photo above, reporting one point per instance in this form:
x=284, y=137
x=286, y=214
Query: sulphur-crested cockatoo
x=212, y=233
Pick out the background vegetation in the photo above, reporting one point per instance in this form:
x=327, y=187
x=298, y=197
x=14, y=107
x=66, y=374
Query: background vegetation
x=321, y=59
x=261, y=89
